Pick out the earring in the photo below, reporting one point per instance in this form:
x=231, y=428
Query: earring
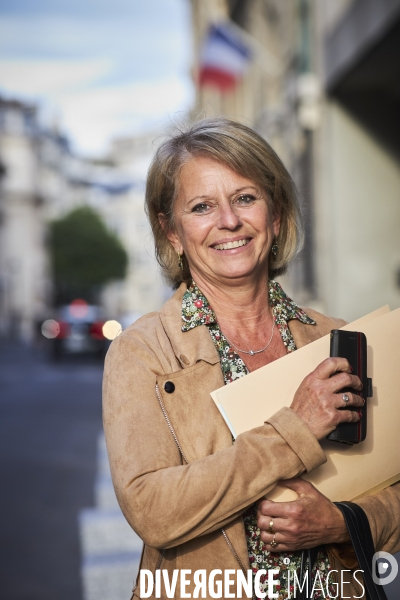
x=180, y=261
x=274, y=249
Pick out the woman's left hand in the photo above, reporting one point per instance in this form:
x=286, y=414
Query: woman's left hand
x=306, y=522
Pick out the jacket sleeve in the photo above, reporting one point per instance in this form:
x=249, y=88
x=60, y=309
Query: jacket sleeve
x=165, y=501
x=383, y=512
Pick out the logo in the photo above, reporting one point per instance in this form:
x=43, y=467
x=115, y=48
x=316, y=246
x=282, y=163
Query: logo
x=384, y=568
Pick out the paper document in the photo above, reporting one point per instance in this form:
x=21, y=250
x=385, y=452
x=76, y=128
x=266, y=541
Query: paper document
x=350, y=471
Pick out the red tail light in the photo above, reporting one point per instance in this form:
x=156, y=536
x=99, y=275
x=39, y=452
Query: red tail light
x=64, y=330
x=96, y=330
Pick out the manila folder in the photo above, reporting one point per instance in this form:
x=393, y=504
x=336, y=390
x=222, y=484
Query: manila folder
x=350, y=471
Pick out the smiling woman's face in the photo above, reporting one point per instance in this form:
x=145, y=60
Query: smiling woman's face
x=222, y=223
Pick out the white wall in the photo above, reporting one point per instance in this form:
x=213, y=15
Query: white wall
x=358, y=219
x=24, y=282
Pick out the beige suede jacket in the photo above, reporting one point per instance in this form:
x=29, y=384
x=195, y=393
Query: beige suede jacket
x=180, y=482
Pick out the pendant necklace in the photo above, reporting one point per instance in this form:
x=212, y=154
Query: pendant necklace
x=253, y=352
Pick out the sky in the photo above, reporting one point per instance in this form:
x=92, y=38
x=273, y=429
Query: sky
x=98, y=68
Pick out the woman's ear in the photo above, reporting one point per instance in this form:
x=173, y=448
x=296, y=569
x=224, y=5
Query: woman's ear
x=276, y=224
x=171, y=236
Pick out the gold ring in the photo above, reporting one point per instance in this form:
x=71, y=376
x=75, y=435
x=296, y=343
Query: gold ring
x=273, y=543
x=271, y=524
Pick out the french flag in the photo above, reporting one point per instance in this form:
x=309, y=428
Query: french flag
x=224, y=59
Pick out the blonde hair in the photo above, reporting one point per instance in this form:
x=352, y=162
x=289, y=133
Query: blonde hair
x=245, y=152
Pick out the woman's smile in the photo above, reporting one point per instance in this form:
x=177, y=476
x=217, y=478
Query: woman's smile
x=231, y=244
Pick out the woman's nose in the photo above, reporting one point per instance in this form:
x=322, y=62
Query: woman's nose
x=227, y=217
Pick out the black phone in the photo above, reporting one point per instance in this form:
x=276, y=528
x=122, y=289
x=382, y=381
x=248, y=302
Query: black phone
x=353, y=346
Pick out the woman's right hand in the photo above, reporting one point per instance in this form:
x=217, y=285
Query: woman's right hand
x=318, y=397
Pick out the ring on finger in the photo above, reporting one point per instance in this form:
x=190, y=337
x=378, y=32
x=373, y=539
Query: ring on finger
x=273, y=542
x=345, y=399
x=271, y=524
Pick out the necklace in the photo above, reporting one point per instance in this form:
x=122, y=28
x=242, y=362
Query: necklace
x=253, y=352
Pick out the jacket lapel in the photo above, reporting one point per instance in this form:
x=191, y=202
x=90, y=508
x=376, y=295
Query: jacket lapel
x=196, y=344
x=189, y=346
x=304, y=334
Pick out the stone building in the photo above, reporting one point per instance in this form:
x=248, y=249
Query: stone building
x=357, y=172
x=322, y=88
x=24, y=282
x=42, y=180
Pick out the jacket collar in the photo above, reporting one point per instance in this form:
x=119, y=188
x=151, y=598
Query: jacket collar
x=189, y=346
x=197, y=311
x=196, y=344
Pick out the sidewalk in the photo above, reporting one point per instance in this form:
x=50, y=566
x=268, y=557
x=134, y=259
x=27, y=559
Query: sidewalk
x=110, y=548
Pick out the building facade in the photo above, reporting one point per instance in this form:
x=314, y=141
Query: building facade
x=24, y=279
x=358, y=172
x=322, y=88
x=42, y=180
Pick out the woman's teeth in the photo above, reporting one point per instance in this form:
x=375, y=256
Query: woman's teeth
x=229, y=245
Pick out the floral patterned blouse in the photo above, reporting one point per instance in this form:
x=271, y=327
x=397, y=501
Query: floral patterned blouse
x=196, y=311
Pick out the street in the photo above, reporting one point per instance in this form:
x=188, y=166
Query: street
x=62, y=534
x=49, y=426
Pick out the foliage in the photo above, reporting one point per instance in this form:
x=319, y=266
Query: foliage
x=84, y=255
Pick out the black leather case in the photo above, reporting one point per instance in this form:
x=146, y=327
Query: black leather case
x=353, y=346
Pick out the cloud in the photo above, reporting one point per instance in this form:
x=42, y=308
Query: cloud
x=49, y=77
x=91, y=112
x=98, y=69
x=89, y=8
x=95, y=116
x=136, y=46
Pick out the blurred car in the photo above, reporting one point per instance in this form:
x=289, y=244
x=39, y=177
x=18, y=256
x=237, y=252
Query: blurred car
x=79, y=329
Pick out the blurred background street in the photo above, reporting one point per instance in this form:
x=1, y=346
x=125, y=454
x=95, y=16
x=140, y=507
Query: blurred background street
x=62, y=533
x=51, y=419
x=88, y=89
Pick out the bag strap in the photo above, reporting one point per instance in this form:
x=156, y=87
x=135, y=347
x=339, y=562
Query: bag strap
x=360, y=534
x=307, y=557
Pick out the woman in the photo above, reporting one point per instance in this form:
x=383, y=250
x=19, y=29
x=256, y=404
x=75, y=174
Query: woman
x=225, y=221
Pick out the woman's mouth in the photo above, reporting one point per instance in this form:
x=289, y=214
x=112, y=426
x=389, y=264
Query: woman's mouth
x=230, y=245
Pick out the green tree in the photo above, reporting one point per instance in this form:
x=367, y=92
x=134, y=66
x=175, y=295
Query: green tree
x=84, y=255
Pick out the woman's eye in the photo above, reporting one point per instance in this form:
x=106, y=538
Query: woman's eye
x=200, y=208
x=246, y=199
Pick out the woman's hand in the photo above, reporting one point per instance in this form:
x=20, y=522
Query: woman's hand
x=307, y=522
x=317, y=399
